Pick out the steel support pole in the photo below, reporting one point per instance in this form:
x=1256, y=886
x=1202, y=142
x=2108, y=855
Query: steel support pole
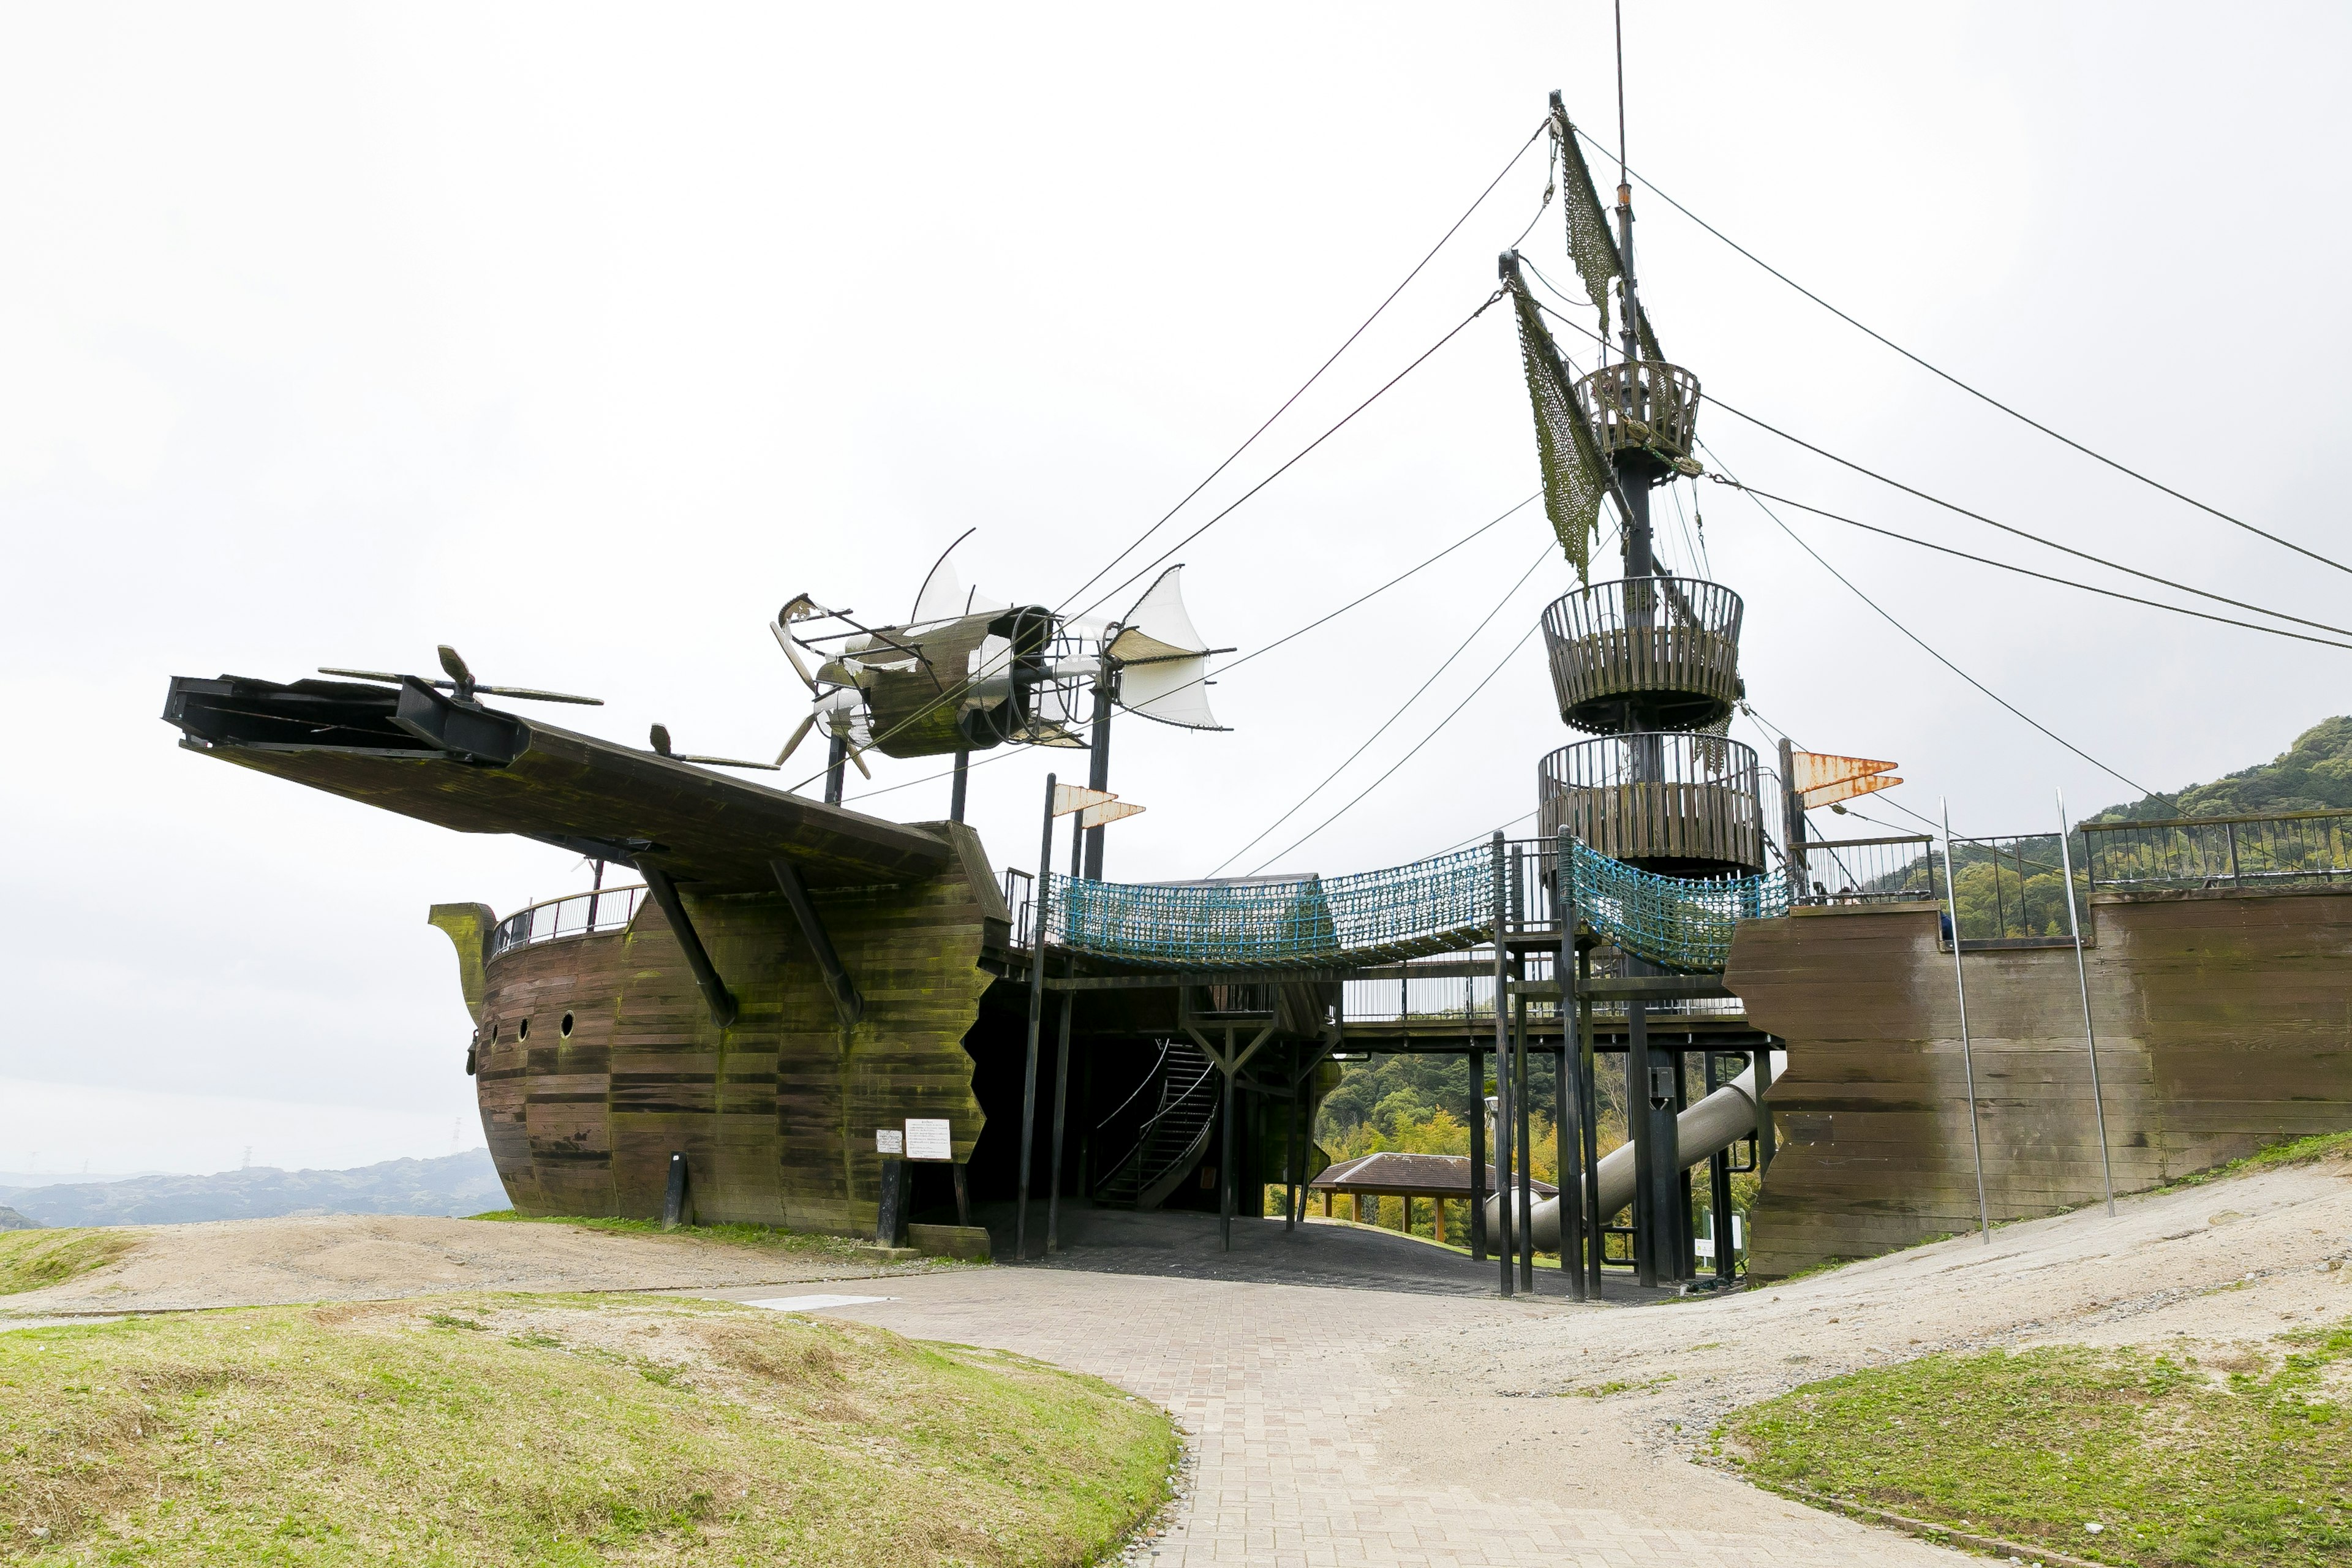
x=962, y=779
x=1290, y=1149
x=1061, y=1112
x=1520, y=1136
x=1225, y=1162
x=1641, y=1128
x=1567, y=1079
x=1718, y=1194
x=836, y=758
x=1098, y=765
x=1477, y=1059
x=1502, y=1086
x=1038, y=904
x=1792, y=824
x=2090, y=1031
x=1968, y=1052
x=1587, y=1089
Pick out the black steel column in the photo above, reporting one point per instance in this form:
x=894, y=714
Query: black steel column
x=962, y=777
x=1061, y=1117
x=1504, y=1152
x=1477, y=1059
x=837, y=757
x=1718, y=1191
x=1038, y=906
x=1641, y=1128
x=1225, y=1193
x=1686, y=1227
x=1099, y=766
x=1568, y=1109
x=1291, y=1148
x=1587, y=1089
x=1520, y=1140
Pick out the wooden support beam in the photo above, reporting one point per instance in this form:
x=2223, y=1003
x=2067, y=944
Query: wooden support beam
x=847, y=1005
x=715, y=994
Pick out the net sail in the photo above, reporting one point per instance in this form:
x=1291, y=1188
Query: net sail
x=1589, y=244
x=1575, y=476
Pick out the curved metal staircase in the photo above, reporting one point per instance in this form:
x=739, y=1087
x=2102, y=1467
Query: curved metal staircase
x=1169, y=1143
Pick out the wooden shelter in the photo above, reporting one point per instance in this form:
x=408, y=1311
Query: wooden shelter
x=1441, y=1178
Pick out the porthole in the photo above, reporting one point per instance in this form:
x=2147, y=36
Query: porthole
x=567, y=1026
x=522, y=1030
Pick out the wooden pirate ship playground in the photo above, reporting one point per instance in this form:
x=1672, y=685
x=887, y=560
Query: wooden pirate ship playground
x=807, y=1016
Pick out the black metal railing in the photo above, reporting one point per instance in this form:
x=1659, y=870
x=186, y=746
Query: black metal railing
x=1900, y=869
x=2221, y=851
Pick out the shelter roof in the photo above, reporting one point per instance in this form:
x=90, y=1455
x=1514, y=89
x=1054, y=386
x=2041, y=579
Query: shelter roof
x=1393, y=1174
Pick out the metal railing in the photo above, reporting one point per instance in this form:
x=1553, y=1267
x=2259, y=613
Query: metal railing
x=1676, y=802
x=2220, y=851
x=1674, y=642
x=574, y=914
x=2015, y=889
x=1902, y=868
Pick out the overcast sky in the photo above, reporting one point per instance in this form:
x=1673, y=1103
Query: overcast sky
x=582, y=338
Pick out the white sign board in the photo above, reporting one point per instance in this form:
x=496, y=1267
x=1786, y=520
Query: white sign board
x=888, y=1141
x=929, y=1140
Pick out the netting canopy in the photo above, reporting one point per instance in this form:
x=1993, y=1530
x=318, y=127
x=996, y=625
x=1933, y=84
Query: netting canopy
x=1442, y=904
x=1589, y=244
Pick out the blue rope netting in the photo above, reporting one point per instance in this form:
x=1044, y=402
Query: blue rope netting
x=1682, y=923
x=1444, y=903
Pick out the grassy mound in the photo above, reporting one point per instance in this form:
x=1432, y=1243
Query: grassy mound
x=554, y=1430
x=2245, y=1460
x=30, y=1260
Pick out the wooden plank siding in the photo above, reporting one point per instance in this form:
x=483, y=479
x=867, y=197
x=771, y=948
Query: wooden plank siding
x=776, y=1113
x=2225, y=1020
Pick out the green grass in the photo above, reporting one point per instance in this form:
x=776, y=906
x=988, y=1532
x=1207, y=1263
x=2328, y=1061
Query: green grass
x=554, y=1431
x=2294, y=1151
x=30, y=1260
x=2244, y=1462
x=762, y=1238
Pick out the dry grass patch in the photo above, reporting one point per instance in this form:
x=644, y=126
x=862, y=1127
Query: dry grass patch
x=555, y=1430
x=30, y=1260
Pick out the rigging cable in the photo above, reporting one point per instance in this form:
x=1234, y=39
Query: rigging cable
x=1964, y=387
x=2029, y=572
x=956, y=691
x=1914, y=637
x=1397, y=766
x=1994, y=522
x=1508, y=595
x=1327, y=364
x=1258, y=653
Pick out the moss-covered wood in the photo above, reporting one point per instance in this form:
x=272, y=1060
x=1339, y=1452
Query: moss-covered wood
x=2224, y=1021
x=776, y=1113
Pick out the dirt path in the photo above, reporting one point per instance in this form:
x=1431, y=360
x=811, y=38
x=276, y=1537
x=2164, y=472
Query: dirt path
x=345, y=1257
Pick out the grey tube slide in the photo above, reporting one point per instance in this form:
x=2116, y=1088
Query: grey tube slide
x=1714, y=1124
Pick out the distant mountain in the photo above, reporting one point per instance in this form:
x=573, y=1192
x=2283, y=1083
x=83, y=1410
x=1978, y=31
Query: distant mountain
x=11, y=1220
x=453, y=1184
x=2313, y=775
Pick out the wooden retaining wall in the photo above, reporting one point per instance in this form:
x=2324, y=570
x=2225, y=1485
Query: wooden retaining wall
x=2224, y=1021
x=777, y=1113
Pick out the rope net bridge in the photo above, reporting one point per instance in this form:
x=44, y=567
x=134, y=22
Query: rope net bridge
x=1446, y=903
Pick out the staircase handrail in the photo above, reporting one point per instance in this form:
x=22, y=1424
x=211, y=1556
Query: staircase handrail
x=1143, y=1133
x=1149, y=1079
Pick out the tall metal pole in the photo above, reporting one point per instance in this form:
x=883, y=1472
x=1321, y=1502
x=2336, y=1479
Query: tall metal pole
x=1478, y=1155
x=1039, y=902
x=1225, y=1192
x=1061, y=1114
x=1502, y=1086
x=1968, y=1053
x=2082, y=978
x=1522, y=1140
x=1588, y=1089
x=837, y=757
x=1568, y=1098
x=1098, y=765
x=1792, y=823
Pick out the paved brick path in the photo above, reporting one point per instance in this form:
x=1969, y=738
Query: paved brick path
x=1348, y=1426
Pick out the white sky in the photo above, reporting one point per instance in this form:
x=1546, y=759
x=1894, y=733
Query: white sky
x=582, y=337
